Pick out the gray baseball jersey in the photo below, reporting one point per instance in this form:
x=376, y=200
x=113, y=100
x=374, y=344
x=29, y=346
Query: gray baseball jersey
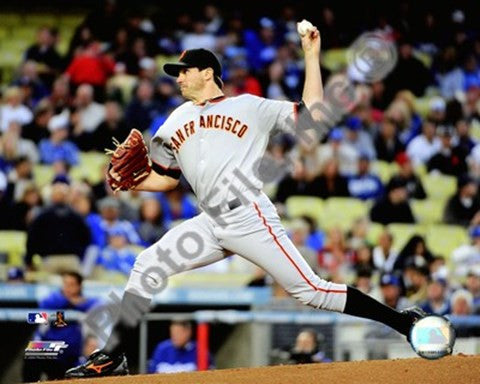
x=216, y=146
x=208, y=142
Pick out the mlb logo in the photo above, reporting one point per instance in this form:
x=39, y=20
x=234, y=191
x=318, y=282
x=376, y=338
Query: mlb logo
x=37, y=318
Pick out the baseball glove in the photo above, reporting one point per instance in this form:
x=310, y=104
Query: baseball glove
x=130, y=161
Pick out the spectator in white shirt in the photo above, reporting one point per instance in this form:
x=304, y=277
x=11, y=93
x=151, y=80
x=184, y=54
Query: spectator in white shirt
x=213, y=18
x=424, y=146
x=199, y=38
x=336, y=148
x=473, y=161
x=383, y=255
x=13, y=109
x=437, y=110
x=89, y=113
x=13, y=146
x=467, y=257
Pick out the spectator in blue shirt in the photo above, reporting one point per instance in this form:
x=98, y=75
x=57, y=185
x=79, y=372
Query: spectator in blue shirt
x=150, y=227
x=437, y=301
x=261, y=45
x=143, y=109
x=472, y=284
x=471, y=73
x=365, y=185
x=177, y=354
x=109, y=208
x=117, y=256
x=316, y=238
x=57, y=147
x=176, y=205
x=358, y=138
x=70, y=296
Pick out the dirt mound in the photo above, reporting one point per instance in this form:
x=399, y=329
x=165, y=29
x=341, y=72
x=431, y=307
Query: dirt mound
x=461, y=369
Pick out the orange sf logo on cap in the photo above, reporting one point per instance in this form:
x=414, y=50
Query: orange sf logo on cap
x=182, y=55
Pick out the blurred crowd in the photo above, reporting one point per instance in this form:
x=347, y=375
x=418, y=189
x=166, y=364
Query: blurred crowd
x=110, y=80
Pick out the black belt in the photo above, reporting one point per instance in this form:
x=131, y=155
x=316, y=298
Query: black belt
x=235, y=203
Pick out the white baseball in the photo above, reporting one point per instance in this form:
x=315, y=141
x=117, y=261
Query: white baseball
x=304, y=27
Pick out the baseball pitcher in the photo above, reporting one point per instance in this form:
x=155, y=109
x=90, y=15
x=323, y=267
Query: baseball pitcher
x=216, y=142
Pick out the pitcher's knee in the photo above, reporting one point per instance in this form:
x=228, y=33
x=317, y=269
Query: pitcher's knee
x=331, y=297
x=146, y=283
x=147, y=277
x=305, y=294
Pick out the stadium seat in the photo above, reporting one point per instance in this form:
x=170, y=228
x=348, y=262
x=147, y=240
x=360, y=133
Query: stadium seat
x=41, y=19
x=429, y=211
x=11, y=57
x=111, y=277
x=384, y=170
x=342, y=212
x=7, y=73
x=210, y=279
x=16, y=45
x=422, y=105
x=310, y=206
x=65, y=36
x=442, y=239
x=475, y=130
x=439, y=187
x=270, y=189
x=421, y=170
x=125, y=83
x=10, y=19
x=90, y=167
x=4, y=32
x=136, y=248
x=425, y=58
x=13, y=243
x=9, y=61
x=374, y=231
x=43, y=174
x=335, y=59
x=403, y=232
x=287, y=224
x=71, y=20
x=25, y=32
x=162, y=59
x=63, y=45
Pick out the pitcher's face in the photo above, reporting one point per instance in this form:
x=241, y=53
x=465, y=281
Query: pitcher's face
x=191, y=82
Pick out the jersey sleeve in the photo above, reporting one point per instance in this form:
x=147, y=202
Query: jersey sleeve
x=163, y=159
x=277, y=115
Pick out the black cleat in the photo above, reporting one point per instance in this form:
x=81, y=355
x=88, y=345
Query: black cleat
x=415, y=314
x=100, y=364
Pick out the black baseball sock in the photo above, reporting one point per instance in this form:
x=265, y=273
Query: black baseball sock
x=361, y=305
x=132, y=308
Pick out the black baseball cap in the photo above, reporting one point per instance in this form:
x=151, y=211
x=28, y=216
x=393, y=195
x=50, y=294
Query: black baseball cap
x=196, y=58
x=395, y=183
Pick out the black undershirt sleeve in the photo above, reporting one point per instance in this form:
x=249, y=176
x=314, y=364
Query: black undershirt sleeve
x=163, y=171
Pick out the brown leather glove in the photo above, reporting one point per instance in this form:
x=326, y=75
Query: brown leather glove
x=130, y=161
